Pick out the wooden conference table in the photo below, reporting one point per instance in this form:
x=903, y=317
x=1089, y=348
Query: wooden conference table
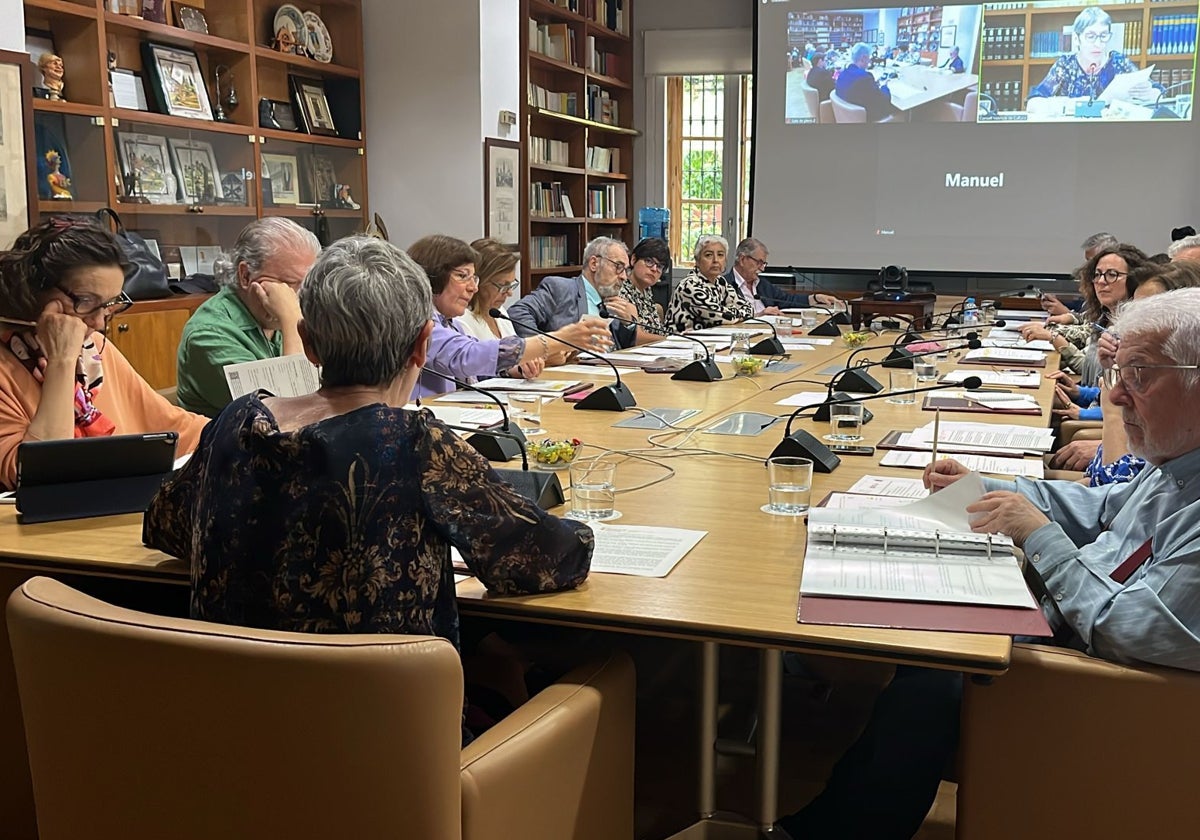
x=738, y=585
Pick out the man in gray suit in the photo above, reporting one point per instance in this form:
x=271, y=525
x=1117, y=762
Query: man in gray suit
x=749, y=260
x=558, y=301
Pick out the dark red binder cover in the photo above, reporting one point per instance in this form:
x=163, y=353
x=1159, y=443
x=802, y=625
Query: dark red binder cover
x=922, y=615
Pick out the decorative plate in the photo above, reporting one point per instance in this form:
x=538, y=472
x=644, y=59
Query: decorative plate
x=317, y=41
x=290, y=36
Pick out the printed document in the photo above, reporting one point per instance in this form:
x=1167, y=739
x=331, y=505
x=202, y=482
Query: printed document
x=285, y=376
x=640, y=550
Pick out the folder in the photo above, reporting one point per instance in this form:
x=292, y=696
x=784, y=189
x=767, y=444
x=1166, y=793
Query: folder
x=913, y=615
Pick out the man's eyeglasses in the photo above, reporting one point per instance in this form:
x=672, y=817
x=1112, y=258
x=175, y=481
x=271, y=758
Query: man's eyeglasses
x=88, y=305
x=620, y=267
x=1102, y=37
x=1109, y=276
x=465, y=278
x=1131, y=375
x=760, y=263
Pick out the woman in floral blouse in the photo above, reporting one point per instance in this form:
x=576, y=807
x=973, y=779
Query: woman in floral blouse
x=335, y=512
x=705, y=298
x=649, y=264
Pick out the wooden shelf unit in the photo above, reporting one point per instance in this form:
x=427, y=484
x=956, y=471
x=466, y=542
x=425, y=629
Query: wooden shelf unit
x=569, y=53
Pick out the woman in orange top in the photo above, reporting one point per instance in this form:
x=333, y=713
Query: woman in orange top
x=59, y=287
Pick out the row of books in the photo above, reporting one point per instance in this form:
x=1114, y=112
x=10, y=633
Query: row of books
x=599, y=61
x=556, y=40
x=549, y=150
x=606, y=201
x=1172, y=34
x=601, y=107
x=548, y=251
x=548, y=199
x=608, y=13
x=552, y=100
x=1044, y=4
x=1006, y=95
x=1004, y=43
x=1176, y=81
x=603, y=159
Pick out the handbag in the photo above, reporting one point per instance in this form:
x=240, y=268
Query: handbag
x=146, y=276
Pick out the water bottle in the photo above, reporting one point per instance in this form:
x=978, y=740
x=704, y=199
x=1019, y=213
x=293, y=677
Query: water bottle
x=970, y=317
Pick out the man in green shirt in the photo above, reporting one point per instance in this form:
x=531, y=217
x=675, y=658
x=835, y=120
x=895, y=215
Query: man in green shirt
x=254, y=315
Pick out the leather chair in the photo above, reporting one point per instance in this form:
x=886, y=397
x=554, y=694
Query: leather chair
x=844, y=112
x=143, y=727
x=812, y=97
x=1064, y=745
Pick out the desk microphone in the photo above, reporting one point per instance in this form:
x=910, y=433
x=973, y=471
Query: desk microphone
x=854, y=377
x=949, y=318
x=768, y=346
x=544, y=489
x=698, y=370
x=616, y=397
x=805, y=445
x=509, y=439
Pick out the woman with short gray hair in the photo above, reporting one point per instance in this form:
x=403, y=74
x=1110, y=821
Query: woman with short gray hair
x=705, y=298
x=334, y=512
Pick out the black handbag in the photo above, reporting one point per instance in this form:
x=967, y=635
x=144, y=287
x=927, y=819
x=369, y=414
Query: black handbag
x=146, y=277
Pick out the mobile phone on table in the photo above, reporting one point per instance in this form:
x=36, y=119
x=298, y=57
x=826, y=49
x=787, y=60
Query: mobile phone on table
x=576, y=396
x=851, y=449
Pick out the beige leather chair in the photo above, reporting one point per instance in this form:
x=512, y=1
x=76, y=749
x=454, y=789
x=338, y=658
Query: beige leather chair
x=812, y=98
x=844, y=112
x=1064, y=745
x=143, y=727
x=826, y=113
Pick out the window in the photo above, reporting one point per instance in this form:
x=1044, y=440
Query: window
x=708, y=158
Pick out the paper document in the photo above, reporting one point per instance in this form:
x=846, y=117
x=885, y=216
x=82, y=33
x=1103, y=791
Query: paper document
x=1009, y=378
x=804, y=339
x=844, y=501
x=594, y=370
x=1122, y=85
x=804, y=398
x=991, y=435
x=1004, y=354
x=1030, y=468
x=470, y=397
x=285, y=376
x=640, y=550
x=1036, y=344
x=995, y=400
x=1010, y=315
x=886, y=485
x=475, y=418
x=529, y=386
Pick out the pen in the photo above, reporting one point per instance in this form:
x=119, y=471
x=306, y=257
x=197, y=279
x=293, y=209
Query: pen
x=17, y=322
x=937, y=424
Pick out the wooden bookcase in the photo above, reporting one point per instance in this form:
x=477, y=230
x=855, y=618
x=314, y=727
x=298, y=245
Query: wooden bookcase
x=239, y=35
x=1014, y=29
x=577, y=73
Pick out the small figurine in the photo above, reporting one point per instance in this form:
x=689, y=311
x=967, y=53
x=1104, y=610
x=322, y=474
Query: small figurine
x=52, y=69
x=112, y=65
x=286, y=42
x=344, y=199
x=60, y=184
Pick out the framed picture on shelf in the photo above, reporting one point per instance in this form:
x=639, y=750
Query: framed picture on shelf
x=320, y=179
x=190, y=18
x=501, y=168
x=16, y=129
x=274, y=113
x=283, y=173
x=146, y=167
x=233, y=185
x=196, y=168
x=154, y=11
x=176, y=80
x=309, y=95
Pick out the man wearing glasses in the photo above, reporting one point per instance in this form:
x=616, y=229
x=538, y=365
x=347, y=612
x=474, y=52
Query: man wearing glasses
x=558, y=301
x=750, y=258
x=254, y=316
x=1116, y=567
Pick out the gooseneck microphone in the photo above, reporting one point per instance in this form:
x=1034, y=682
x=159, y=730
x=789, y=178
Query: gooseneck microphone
x=829, y=327
x=698, y=370
x=949, y=318
x=805, y=445
x=616, y=397
x=509, y=439
x=856, y=379
x=768, y=346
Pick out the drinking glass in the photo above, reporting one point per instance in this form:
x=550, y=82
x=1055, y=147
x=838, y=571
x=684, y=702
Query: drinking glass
x=845, y=422
x=789, y=485
x=902, y=379
x=808, y=318
x=926, y=371
x=593, y=489
x=987, y=311
x=526, y=409
x=741, y=343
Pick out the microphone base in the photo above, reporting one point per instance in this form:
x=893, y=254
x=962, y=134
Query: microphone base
x=858, y=381
x=701, y=370
x=899, y=358
x=768, y=347
x=497, y=448
x=615, y=397
x=801, y=444
x=542, y=488
x=822, y=412
x=828, y=328
x=842, y=318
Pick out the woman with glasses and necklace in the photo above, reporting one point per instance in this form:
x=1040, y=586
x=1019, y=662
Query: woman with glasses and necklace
x=61, y=284
x=1085, y=73
x=456, y=351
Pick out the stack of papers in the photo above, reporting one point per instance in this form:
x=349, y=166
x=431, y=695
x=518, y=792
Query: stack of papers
x=886, y=485
x=1010, y=315
x=1009, y=378
x=803, y=398
x=986, y=436
x=995, y=400
x=552, y=387
x=1014, y=341
x=1030, y=468
x=1005, y=355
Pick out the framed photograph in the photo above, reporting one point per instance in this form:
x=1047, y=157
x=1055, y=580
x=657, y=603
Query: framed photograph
x=320, y=179
x=146, y=167
x=309, y=96
x=501, y=174
x=16, y=135
x=284, y=175
x=196, y=168
x=233, y=185
x=127, y=90
x=949, y=34
x=274, y=113
x=176, y=80
x=190, y=18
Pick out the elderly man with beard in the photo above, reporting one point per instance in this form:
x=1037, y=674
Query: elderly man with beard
x=558, y=301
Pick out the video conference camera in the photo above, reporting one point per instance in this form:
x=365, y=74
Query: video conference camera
x=893, y=283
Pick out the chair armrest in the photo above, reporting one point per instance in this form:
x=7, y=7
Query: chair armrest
x=1079, y=429
x=560, y=767
x=1064, y=745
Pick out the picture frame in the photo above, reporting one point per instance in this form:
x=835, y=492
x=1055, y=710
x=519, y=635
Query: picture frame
x=321, y=179
x=176, y=80
x=948, y=35
x=501, y=186
x=276, y=114
x=154, y=11
x=146, y=167
x=196, y=168
x=284, y=175
x=312, y=105
x=233, y=187
x=190, y=18
x=127, y=90
x=16, y=136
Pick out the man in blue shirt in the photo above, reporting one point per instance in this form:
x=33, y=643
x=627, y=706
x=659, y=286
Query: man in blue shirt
x=1117, y=570
x=858, y=87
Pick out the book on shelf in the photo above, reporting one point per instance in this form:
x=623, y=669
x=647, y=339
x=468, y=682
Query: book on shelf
x=552, y=100
x=606, y=201
x=603, y=159
x=546, y=199
x=548, y=251
x=601, y=107
x=548, y=150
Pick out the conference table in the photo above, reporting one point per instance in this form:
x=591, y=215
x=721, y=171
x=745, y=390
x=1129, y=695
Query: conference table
x=916, y=85
x=738, y=586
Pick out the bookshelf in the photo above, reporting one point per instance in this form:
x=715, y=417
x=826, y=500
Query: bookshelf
x=576, y=131
x=1021, y=42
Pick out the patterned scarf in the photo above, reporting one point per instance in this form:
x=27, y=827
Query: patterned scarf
x=89, y=376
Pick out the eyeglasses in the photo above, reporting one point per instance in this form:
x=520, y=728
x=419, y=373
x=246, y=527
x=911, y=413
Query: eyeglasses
x=88, y=305
x=1109, y=276
x=503, y=287
x=465, y=278
x=653, y=264
x=1102, y=37
x=760, y=263
x=621, y=268
x=1131, y=375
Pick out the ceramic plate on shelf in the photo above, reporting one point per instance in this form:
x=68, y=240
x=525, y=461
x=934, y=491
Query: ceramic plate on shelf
x=317, y=40
x=290, y=29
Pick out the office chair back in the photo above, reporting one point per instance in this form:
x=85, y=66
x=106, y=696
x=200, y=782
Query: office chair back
x=812, y=99
x=970, y=106
x=844, y=112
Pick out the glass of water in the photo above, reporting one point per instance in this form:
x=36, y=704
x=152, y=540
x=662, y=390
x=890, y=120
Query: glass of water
x=593, y=489
x=789, y=485
x=741, y=343
x=845, y=422
x=526, y=409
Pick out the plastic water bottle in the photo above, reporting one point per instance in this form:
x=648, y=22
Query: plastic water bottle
x=970, y=317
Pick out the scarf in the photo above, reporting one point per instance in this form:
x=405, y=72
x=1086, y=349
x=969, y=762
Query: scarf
x=89, y=376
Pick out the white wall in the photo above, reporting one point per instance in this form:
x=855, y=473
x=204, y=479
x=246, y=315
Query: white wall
x=500, y=60
x=425, y=162
x=12, y=34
